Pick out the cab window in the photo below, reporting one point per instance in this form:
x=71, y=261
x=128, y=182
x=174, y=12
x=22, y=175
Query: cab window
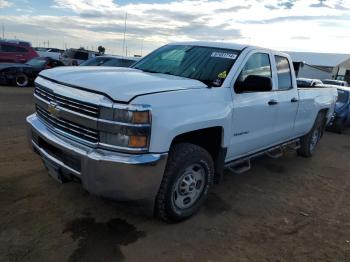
x=283, y=73
x=256, y=75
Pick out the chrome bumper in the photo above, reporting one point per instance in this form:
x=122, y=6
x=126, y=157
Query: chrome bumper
x=122, y=177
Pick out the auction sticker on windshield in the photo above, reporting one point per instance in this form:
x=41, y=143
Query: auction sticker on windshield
x=224, y=55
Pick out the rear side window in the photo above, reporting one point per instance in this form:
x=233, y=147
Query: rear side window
x=21, y=49
x=283, y=73
x=81, y=55
x=8, y=48
x=119, y=62
x=12, y=49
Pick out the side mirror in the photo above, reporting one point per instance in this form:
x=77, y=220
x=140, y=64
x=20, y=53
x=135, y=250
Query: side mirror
x=254, y=83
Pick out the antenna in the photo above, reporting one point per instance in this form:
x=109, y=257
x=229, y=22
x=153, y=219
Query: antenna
x=126, y=17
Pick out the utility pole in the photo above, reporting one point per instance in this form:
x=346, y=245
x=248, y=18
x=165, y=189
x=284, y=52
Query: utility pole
x=3, y=31
x=126, y=17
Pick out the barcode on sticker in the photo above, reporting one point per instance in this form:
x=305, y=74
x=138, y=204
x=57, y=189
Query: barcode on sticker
x=224, y=55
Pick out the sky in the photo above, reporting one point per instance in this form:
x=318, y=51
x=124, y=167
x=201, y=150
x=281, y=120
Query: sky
x=288, y=25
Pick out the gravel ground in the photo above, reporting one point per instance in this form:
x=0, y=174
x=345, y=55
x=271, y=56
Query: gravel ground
x=290, y=209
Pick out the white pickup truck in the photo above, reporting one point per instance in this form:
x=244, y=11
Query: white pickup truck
x=160, y=134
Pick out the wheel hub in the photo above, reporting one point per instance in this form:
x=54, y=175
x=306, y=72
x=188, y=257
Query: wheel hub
x=189, y=186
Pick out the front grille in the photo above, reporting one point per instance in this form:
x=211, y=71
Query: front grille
x=66, y=102
x=68, y=127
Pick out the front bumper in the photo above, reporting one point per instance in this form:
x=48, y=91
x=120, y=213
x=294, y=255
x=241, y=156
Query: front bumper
x=128, y=178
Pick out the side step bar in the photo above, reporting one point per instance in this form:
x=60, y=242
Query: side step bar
x=242, y=165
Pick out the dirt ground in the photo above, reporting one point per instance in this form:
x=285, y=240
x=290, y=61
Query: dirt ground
x=290, y=209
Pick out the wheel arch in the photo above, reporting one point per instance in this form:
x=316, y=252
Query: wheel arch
x=211, y=139
x=324, y=113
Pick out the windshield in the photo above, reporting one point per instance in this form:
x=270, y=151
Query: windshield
x=303, y=83
x=342, y=96
x=209, y=65
x=36, y=62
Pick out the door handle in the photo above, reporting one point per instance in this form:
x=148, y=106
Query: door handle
x=294, y=100
x=272, y=102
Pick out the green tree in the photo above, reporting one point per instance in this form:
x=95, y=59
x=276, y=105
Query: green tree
x=101, y=49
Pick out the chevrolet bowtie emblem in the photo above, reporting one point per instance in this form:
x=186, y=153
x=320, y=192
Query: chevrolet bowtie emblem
x=53, y=110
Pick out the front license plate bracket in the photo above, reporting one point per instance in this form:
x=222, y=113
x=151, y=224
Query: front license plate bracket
x=53, y=170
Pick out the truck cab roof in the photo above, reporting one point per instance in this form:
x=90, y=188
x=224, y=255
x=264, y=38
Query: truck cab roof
x=228, y=45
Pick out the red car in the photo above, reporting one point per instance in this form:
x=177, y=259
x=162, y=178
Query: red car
x=16, y=52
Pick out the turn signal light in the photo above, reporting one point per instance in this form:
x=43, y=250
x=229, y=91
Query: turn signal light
x=138, y=141
x=141, y=117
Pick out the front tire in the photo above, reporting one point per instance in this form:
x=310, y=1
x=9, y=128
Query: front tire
x=186, y=182
x=308, y=143
x=21, y=80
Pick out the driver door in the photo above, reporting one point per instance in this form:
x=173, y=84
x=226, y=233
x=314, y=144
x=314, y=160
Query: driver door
x=254, y=112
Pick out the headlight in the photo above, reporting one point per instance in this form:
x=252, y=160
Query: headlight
x=122, y=140
x=132, y=116
x=130, y=128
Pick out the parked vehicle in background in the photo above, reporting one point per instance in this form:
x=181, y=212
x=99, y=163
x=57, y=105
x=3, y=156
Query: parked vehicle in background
x=335, y=82
x=341, y=117
x=74, y=57
x=161, y=132
x=16, y=52
x=115, y=61
x=17, y=42
x=307, y=82
x=54, y=53
x=23, y=75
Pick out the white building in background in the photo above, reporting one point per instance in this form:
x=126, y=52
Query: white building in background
x=316, y=65
x=342, y=71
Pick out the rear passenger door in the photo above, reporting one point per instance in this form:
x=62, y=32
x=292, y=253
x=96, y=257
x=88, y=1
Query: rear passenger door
x=254, y=112
x=287, y=98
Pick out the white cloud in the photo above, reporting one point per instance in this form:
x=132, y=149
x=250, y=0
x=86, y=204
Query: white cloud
x=4, y=4
x=281, y=24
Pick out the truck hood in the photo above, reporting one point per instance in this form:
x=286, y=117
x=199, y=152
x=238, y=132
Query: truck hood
x=120, y=84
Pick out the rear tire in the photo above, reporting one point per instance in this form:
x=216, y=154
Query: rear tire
x=308, y=142
x=21, y=80
x=186, y=182
x=339, y=126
